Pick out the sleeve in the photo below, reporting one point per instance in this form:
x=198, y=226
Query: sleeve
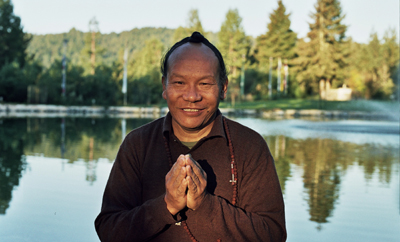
x=259, y=214
x=122, y=214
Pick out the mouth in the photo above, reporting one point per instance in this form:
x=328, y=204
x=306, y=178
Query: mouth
x=190, y=110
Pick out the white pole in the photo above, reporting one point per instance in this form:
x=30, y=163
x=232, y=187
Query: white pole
x=125, y=77
x=270, y=78
x=278, y=86
x=64, y=71
x=286, y=84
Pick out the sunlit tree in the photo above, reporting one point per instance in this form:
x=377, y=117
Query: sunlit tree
x=374, y=66
x=279, y=40
x=234, y=46
x=193, y=24
x=323, y=54
x=145, y=86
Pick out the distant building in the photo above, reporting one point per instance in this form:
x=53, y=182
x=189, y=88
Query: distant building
x=335, y=94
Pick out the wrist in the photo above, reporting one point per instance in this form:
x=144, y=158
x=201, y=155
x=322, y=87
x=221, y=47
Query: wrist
x=173, y=211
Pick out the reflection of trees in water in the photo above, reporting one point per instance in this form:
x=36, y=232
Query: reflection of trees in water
x=12, y=161
x=377, y=159
x=70, y=138
x=80, y=139
x=277, y=146
x=324, y=162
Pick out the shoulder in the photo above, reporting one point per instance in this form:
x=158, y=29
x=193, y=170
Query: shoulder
x=243, y=133
x=146, y=131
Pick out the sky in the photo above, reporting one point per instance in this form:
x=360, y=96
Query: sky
x=58, y=16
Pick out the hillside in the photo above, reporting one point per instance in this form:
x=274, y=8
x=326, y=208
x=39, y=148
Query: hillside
x=48, y=48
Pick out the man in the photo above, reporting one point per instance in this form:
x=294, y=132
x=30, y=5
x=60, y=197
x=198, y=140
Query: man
x=193, y=175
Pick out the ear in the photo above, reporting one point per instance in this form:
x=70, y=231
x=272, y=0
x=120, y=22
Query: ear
x=223, y=90
x=164, y=87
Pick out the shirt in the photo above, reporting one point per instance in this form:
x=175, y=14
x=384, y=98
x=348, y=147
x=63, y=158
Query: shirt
x=134, y=209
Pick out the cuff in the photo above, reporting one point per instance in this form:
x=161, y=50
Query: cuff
x=162, y=211
x=206, y=208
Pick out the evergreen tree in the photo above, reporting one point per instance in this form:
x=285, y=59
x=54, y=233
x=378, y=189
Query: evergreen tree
x=279, y=41
x=193, y=24
x=233, y=44
x=390, y=49
x=13, y=40
x=145, y=87
x=375, y=66
x=323, y=58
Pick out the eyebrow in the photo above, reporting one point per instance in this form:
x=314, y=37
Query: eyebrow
x=201, y=78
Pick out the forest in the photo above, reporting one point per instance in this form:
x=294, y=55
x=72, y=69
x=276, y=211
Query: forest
x=87, y=68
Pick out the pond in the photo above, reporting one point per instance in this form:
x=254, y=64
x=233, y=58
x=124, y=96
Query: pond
x=340, y=178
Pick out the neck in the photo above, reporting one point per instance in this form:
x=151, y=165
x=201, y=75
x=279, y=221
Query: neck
x=191, y=135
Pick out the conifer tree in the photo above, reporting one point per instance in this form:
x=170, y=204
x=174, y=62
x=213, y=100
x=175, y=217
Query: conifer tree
x=279, y=41
x=146, y=85
x=234, y=46
x=323, y=58
x=193, y=24
x=233, y=43
x=374, y=67
x=13, y=40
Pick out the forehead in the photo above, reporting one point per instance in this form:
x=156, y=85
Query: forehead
x=192, y=52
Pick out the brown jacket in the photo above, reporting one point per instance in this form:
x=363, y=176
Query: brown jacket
x=133, y=204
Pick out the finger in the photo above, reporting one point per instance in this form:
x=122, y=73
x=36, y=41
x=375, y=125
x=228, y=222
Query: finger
x=192, y=162
x=191, y=185
x=196, y=168
x=181, y=161
x=195, y=179
x=176, y=168
x=181, y=190
x=179, y=177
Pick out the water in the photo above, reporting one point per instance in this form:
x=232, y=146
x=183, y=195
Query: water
x=340, y=178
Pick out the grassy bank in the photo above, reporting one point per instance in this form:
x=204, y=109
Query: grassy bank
x=298, y=104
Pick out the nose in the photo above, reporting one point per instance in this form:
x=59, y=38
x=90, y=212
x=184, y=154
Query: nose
x=192, y=94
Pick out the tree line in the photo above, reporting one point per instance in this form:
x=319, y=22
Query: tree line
x=276, y=64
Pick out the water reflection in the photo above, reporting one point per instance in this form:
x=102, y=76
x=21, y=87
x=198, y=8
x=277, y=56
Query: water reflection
x=12, y=159
x=73, y=139
x=323, y=160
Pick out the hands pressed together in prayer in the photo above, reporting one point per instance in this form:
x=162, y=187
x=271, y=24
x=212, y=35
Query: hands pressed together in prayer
x=185, y=185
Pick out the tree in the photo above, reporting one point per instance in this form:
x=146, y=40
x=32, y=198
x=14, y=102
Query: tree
x=13, y=40
x=146, y=86
x=375, y=66
x=234, y=46
x=323, y=58
x=279, y=41
x=13, y=85
x=193, y=24
x=93, y=48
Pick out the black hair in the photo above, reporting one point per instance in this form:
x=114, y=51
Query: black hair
x=196, y=37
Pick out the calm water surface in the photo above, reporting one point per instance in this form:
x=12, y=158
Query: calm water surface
x=340, y=179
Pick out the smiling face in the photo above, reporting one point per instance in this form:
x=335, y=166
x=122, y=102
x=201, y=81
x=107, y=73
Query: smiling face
x=192, y=91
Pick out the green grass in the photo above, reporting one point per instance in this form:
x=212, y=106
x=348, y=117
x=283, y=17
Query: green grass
x=353, y=105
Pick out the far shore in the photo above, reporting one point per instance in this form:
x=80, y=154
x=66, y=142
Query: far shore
x=54, y=111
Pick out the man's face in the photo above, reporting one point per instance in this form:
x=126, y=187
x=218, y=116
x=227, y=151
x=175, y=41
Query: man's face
x=191, y=87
